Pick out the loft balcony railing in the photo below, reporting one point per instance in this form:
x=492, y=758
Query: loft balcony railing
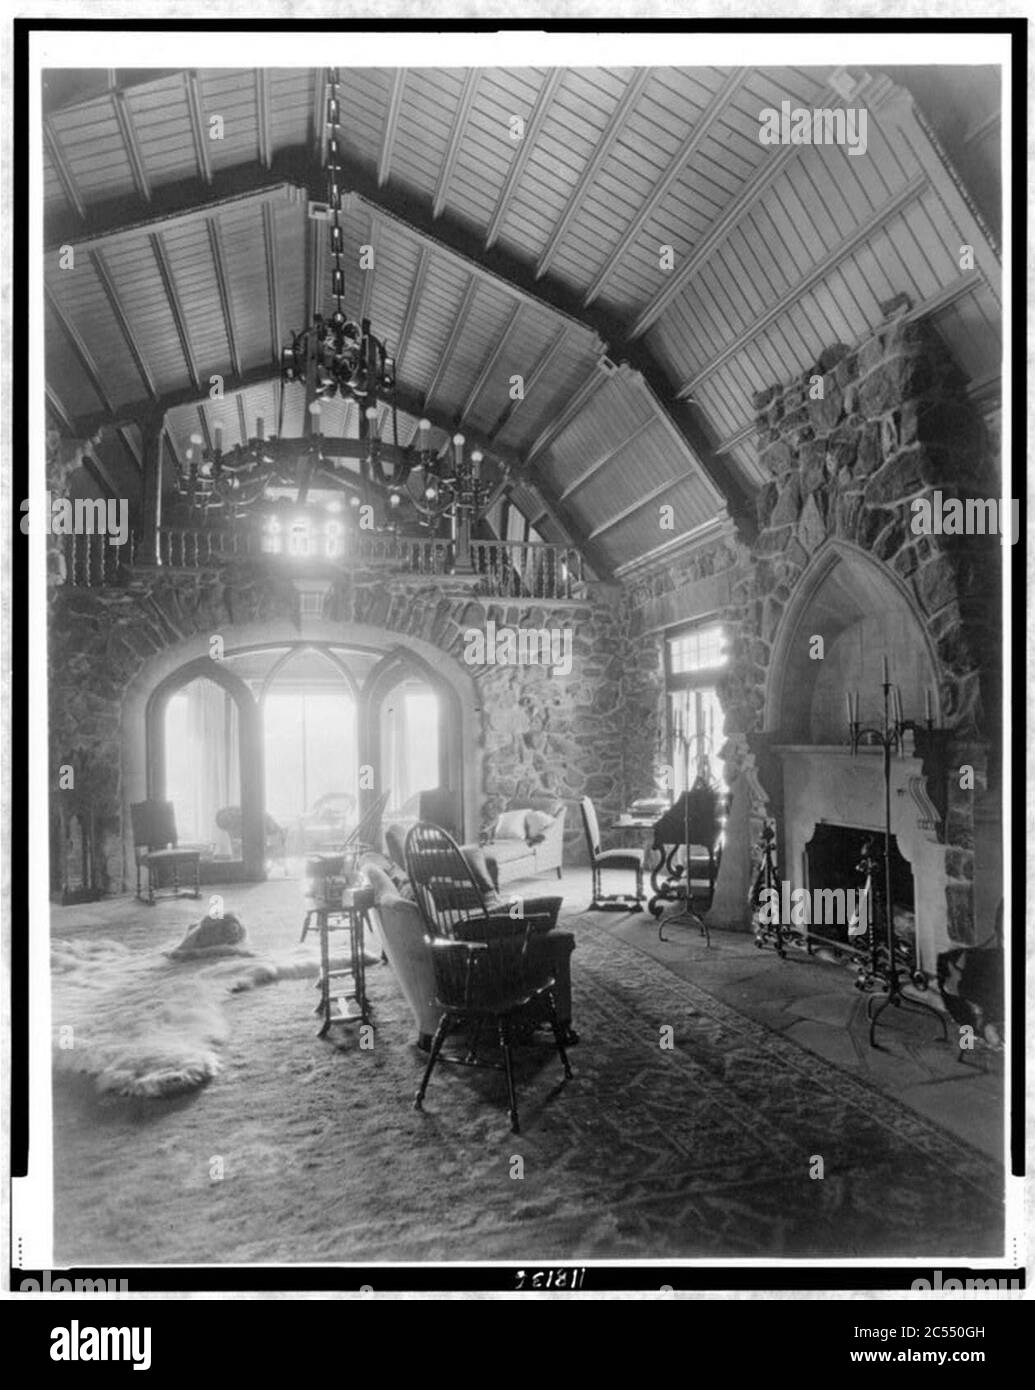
x=530, y=570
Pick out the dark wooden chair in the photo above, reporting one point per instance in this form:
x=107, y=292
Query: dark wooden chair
x=601, y=859
x=489, y=967
x=156, y=849
x=440, y=806
x=496, y=982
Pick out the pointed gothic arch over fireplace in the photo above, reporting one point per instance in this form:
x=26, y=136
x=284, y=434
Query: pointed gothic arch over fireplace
x=862, y=612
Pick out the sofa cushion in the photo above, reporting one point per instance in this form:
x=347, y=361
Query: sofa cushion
x=510, y=825
x=507, y=851
x=537, y=823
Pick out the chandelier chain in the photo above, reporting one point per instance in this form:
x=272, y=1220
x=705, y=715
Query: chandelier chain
x=334, y=190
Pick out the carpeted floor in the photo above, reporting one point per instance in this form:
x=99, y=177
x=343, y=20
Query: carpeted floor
x=309, y=1151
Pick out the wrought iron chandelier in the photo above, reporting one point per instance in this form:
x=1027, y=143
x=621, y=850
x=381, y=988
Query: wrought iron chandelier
x=335, y=357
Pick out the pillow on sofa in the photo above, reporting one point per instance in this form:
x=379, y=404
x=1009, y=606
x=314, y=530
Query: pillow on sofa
x=391, y=870
x=537, y=823
x=510, y=826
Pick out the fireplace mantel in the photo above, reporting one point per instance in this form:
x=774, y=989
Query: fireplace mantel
x=825, y=784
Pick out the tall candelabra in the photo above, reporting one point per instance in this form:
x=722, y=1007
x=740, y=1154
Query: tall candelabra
x=890, y=737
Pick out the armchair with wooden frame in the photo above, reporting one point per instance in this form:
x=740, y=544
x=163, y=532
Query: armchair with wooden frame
x=490, y=967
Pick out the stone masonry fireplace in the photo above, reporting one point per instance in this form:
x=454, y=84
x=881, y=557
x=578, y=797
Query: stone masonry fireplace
x=849, y=447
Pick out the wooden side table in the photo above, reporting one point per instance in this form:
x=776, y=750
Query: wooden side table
x=351, y=915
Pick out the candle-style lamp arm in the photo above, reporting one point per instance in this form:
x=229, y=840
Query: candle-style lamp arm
x=886, y=955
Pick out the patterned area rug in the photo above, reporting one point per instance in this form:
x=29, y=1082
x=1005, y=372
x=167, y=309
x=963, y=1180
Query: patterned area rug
x=310, y=1151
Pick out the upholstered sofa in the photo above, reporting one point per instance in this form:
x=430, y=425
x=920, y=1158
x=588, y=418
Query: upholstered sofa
x=527, y=840
x=402, y=932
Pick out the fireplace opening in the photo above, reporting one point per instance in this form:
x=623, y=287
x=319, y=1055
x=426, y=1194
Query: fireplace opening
x=832, y=859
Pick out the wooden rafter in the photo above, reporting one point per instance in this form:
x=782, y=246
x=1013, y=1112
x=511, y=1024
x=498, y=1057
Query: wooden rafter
x=269, y=246
x=675, y=171
x=456, y=137
x=58, y=409
x=532, y=380
x=491, y=363
x=594, y=379
x=817, y=273
x=215, y=243
x=459, y=325
x=604, y=460
x=522, y=154
x=65, y=177
x=197, y=125
x=263, y=121
x=103, y=274
x=749, y=194
x=134, y=153
x=628, y=100
x=370, y=274
x=635, y=507
x=82, y=352
x=391, y=126
x=175, y=307
x=130, y=447
x=412, y=306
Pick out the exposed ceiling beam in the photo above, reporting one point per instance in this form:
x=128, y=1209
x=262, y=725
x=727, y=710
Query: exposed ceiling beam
x=720, y=229
x=130, y=447
x=57, y=157
x=675, y=171
x=369, y=275
x=132, y=145
x=318, y=115
x=607, y=458
x=491, y=363
x=138, y=412
x=115, y=304
x=197, y=126
x=269, y=246
x=636, y=506
x=215, y=242
x=592, y=383
x=97, y=469
x=170, y=444
x=206, y=433
x=532, y=381
x=82, y=352
x=175, y=307
x=817, y=272
x=629, y=98
x=57, y=407
x=522, y=154
x=391, y=126
x=456, y=136
x=67, y=87
x=445, y=235
x=194, y=202
x=263, y=120
x=413, y=305
x=459, y=324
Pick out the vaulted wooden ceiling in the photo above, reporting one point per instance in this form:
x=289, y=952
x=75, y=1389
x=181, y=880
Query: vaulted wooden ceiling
x=518, y=220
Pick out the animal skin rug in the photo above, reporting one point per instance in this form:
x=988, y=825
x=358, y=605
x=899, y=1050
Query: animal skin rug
x=153, y=1024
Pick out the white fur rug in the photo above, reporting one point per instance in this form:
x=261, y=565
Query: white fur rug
x=151, y=1023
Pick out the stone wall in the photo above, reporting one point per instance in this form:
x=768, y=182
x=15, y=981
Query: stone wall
x=890, y=422
x=540, y=733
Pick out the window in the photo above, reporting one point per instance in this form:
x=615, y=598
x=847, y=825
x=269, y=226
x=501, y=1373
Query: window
x=411, y=745
x=698, y=649
x=695, y=717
